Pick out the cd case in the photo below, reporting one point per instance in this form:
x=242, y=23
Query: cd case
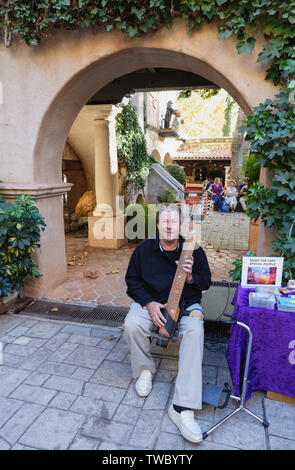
x=286, y=304
x=262, y=300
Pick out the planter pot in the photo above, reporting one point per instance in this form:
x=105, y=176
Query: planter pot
x=7, y=302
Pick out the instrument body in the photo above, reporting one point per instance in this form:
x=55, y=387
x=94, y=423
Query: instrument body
x=172, y=310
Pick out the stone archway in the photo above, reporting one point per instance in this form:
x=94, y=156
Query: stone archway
x=167, y=159
x=156, y=154
x=64, y=72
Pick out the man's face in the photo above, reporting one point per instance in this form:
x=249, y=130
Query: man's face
x=169, y=225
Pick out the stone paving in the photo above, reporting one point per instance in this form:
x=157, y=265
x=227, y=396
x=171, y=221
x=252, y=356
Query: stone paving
x=69, y=386
x=228, y=231
x=224, y=238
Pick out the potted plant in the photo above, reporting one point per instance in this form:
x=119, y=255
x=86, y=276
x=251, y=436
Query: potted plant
x=166, y=195
x=20, y=224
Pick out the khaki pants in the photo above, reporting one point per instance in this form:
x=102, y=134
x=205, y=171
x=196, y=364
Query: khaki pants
x=188, y=385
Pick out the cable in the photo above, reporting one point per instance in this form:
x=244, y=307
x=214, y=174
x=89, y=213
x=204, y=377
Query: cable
x=223, y=280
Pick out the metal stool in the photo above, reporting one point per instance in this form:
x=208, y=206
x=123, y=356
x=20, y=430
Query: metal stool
x=241, y=399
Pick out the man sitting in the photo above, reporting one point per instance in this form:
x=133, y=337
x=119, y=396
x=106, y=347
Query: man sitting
x=149, y=277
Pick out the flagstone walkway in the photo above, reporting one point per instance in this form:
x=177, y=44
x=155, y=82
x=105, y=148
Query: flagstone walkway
x=68, y=386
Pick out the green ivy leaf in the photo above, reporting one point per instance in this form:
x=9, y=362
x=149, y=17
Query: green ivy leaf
x=224, y=34
x=247, y=46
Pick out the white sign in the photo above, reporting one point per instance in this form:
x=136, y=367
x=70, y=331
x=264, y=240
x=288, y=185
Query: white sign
x=259, y=271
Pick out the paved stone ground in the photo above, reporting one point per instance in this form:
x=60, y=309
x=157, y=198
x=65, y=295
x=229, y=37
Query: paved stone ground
x=228, y=231
x=69, y=386
x=224, y=238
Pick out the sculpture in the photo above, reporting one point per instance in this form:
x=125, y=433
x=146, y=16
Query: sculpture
x=168, y=115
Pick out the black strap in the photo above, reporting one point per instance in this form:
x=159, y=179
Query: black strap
x=227, y=390
x=170, y=325
x=187, y=312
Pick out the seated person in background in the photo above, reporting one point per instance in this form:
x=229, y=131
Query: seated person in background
x=243, y=188
x=231, y=194
x=149, y=278
x=217, y=190
x=206, y=185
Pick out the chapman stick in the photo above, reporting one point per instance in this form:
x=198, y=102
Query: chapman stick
x=172, y=310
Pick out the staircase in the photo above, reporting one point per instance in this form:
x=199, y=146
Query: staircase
x=160, y=177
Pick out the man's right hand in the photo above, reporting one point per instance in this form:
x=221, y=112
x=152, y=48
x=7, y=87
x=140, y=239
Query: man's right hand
x=154, y=309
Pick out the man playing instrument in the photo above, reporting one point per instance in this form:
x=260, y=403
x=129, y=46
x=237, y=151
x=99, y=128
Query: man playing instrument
x=149, y=277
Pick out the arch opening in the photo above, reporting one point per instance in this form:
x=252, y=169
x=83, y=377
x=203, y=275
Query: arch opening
x=84, y=84
x=80, y=82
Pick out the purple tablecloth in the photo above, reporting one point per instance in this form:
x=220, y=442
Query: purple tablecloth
x=272, y=362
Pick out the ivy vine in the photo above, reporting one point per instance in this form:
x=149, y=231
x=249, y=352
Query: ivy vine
x=131, y=147
x=271, y=131
x=32, y=21
x=227, y=117
x=204, y=93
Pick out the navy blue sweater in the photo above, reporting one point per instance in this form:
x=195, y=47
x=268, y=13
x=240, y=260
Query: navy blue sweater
x=150, y=274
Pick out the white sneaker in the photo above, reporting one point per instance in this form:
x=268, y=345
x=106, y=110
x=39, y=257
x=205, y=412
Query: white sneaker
x=143, y=384
x=187, y=424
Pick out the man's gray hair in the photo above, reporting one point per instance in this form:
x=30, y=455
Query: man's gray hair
x=173, y=207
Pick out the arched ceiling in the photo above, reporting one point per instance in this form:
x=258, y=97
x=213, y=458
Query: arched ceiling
x=151, y=79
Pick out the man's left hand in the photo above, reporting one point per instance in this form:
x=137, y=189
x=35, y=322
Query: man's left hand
x=188, y=267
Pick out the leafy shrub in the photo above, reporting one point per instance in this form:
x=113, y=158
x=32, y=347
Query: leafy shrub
x=20, y=223
x=251, y=168
x=177, y=172
x=271, y=131
x=236, y=272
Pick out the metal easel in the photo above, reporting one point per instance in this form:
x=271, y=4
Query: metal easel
x=241, y=400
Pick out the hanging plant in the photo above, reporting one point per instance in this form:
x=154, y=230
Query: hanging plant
x=131, y=146
x=227, y=117
x=31, y=21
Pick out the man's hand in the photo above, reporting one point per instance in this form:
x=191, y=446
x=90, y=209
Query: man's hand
x=188, y=267
x=155, y=313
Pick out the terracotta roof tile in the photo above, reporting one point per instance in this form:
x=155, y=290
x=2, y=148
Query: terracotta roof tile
x=209, y=152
